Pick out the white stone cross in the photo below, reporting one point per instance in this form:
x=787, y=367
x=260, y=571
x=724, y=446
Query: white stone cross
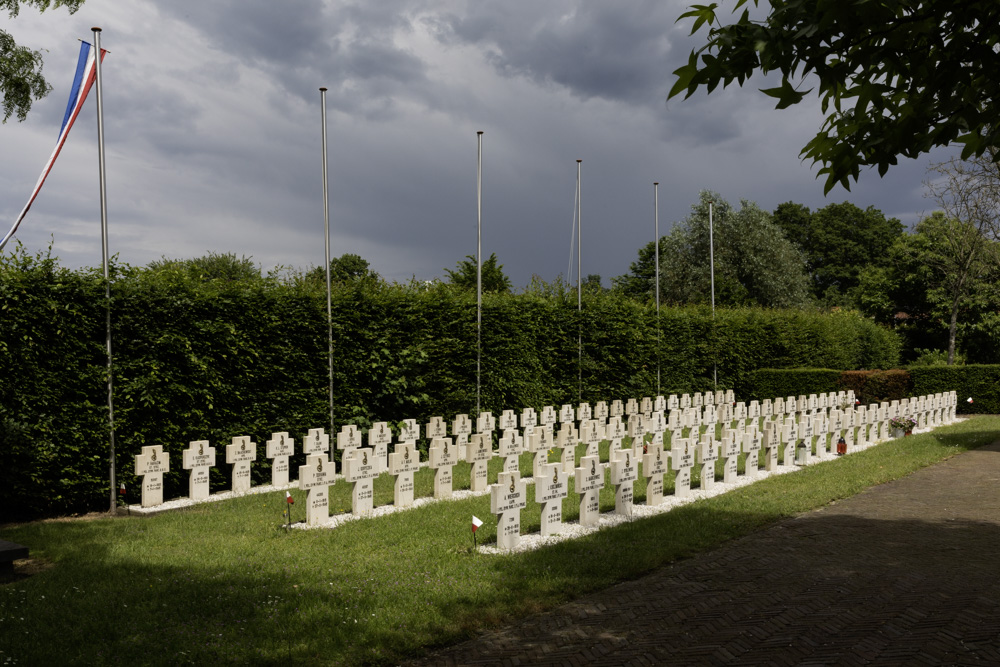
x=360, y=470
x=601, y=412
x=508, y=420
x=315, y=442
x=567, y=414
x=510, y=446
x=241, y=453
x=591, y=433
x=315, y=477
x=348, y=440
x=461, y=428
x=588, y=481
x=437, y=428
x=402, y=464
x=566, y=440
x=696, y=400
x=410, y=431
x=654, y=466
x=150, y=465
x=539, y=443
x=771, y=443
x=478, y=452
x=751, y=444
x=485, y=423
x=550, y=489
x=682, y=460
x=730, y=456
x=646, y=406
x=659, y=404
x=685, y=401
x=673, y=402
x=616, y=409
x=462, y=425
x=279, y=448
x=507, y=498
x=624, y=472
x=199, y=458
x=529, y=419
x=548, y=416
x=443, y=455
x=379, y=439
x=708, y=453
x=819, y=432
x=584, y=412
x=631, y=407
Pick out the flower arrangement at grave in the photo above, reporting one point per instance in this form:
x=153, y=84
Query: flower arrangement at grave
x=904, y=424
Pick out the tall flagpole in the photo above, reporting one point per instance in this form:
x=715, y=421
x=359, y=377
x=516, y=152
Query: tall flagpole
x=711, y=265
x=104, y=257
x=656, y=244
x=326, y=227
x=479, y=269
x=579, y=281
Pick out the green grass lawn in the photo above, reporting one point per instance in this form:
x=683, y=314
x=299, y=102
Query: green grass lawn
x=223, y=583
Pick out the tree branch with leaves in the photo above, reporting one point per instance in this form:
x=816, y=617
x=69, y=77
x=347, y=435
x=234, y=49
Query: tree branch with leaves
x=894, y=77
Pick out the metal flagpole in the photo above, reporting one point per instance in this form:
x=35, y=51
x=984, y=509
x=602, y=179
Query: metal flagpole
x=656, y=245
x=579, y=280
x=326, y=224
x=479, y=269
x=711, y=265
x=104, y=257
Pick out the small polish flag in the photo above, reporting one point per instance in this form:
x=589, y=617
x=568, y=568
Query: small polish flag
x=476, y=522
x=969, y=400
x=121, y=490
x=289, y=499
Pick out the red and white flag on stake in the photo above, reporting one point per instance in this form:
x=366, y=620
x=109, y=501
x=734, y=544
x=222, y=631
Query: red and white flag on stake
x=969, y=400
x=289, y=499
x=476, y=522
x=121, y=489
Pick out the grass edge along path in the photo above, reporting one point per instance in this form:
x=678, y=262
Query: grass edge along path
x=223, y=584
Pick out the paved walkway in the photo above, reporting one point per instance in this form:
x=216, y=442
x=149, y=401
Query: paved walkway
x=907, y=573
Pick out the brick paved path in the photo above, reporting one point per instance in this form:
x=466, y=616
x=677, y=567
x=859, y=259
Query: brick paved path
x=907, y=573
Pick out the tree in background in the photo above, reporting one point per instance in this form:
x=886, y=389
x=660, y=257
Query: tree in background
x=895, y=77
x=344, y=269
x=464, y=275
x=638, y=283
x=941, y=279
x=226, y=267
x=838, y=240
x=21, y=77
x=754, y=263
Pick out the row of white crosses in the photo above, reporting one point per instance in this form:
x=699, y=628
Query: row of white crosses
x=770, y=423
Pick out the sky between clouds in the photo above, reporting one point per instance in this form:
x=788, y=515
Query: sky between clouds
x=212, y=126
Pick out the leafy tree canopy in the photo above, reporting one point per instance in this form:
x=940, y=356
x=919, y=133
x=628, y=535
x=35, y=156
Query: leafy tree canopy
x=754, y=263
x=21, y=79
x=894, y=77
x=838, y=240
x=464, y=275
x=939, y=283
x=222, y=267
x=344, y=269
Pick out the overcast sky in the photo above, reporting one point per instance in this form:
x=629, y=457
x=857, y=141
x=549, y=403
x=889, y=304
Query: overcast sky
x=212, y=125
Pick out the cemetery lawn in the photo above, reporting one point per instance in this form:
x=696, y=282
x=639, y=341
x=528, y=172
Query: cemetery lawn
x=222, y=583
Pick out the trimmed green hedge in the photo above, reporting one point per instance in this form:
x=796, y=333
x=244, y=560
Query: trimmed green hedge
x=981, y=382
x=877, y=386
x=212, y=359
x=772, y=383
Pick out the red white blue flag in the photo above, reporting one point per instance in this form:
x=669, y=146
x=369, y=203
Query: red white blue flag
x=86, y=71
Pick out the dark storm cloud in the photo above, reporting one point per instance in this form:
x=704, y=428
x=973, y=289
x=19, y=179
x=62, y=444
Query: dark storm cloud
x=615, y=51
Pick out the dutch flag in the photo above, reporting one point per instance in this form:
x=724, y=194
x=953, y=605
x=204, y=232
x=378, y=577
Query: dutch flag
x=86, y=71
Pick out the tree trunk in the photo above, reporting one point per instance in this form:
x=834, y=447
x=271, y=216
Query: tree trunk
x=952, y=329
